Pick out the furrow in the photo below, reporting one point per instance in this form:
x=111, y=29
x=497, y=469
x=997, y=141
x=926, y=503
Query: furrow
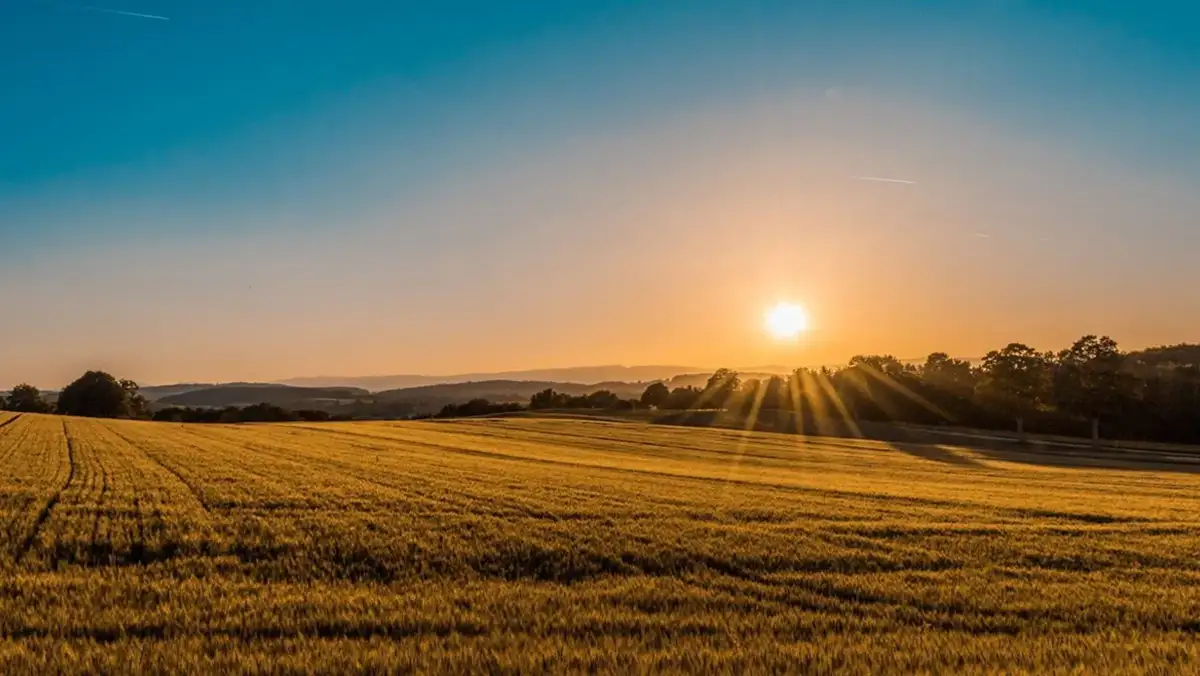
x=48, y=508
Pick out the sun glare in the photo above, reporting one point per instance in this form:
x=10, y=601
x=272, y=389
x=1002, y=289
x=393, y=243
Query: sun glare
x=786, y=321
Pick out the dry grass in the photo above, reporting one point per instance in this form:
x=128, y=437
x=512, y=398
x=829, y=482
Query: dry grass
x=525, y=545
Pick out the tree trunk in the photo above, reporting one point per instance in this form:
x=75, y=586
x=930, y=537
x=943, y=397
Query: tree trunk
x=1020, y=429
x=1095, y=431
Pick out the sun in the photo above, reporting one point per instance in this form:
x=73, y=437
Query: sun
x=786, y=321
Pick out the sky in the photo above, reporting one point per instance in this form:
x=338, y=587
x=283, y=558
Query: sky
x=263, y=189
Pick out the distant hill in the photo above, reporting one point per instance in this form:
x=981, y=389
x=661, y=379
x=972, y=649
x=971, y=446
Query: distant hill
x=499, y=391
x=245, y=394
x=155, y=392
x=576, y=374
x=389, y=403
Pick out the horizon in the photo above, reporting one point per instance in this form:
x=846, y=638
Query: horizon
x=679, y=370
x=224, y=191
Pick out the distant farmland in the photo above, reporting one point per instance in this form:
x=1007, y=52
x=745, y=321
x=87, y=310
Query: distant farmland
x=529, y=545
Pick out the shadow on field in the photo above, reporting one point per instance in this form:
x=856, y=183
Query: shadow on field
x=938, y=453
x=949, y=447
x=935, y=445
x=1050, y=456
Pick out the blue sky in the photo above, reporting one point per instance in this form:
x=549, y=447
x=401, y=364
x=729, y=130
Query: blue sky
x=184, y=182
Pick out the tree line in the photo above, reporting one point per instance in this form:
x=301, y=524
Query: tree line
x=95, y=394
x=476, y=407
x=1091, y=388
x=600, y=399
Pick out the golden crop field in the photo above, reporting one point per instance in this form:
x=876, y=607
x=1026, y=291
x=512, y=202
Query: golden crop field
x=551, y=545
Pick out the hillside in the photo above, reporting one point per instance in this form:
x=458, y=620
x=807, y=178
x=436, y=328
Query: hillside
x=246, y=394
x=575, y=374
x=564, y=546
x=499, y=391
x=156, y=392
x=399, y=403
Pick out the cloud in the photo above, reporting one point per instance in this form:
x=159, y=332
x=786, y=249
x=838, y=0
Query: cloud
x=884, y=180
x=119, y=12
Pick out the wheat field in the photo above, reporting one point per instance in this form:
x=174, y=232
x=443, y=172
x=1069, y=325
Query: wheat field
x=529, y=545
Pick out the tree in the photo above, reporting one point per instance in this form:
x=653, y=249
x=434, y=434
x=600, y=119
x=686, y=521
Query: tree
x=1170, y=399
x=683, y=398
x=881, y=364
x=547, y=398
x=756, y=396
x=26, y=398
x=881, y=387
x=1089, y=380
x=721, y=387
x=603, y=399
x=95, y=394
x=474, y=407
x=1015, y=380
x=747, y=399
x=656, y=395
x=775, y=395
x=174, y=414
x=138, y=406
x=945, y=373
x=263, y=413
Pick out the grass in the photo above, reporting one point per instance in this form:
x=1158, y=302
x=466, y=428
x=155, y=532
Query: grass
x=551, y=545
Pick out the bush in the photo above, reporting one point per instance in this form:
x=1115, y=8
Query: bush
x=476, y=407
x=97, y=394
x=26, y=398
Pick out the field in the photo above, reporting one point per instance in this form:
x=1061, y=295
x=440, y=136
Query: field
x=550, y=545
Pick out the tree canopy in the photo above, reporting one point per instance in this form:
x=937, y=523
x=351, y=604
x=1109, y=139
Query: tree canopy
x=1150, y=395
x=656, y=395
x=26, y=398
x=97, y=394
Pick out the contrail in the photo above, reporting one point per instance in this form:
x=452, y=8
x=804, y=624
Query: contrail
x=119, y=12
x=885, y=180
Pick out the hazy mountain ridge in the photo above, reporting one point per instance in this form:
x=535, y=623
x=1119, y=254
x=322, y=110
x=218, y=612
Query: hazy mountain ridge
x=401, y=402
x=502, y=391
x=573, y=374
x=156, y=392
x=247, y=394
